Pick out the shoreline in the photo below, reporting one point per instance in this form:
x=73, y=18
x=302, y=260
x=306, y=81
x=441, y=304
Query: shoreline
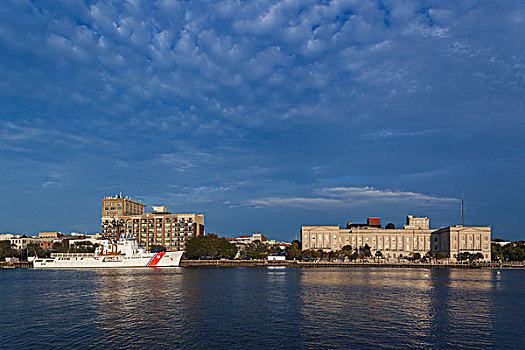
x=324, y=264
x=320, y=264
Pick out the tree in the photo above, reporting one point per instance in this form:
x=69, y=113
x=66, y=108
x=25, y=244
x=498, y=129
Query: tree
x=465, y=256
x=34, y=249
x=347, y=248
x=157, y=248
x=274, y=249
x=62, y=246
x=514, y=251
x=226, y=249
x=378, y=255
x=255, y=250
x=478, y=256
x=429, y=254
x=210, y=245
x=310, y=254
x=6, y=250
x=441, y=255
x=294, y=250
x=416, y=256
x=496, y=252
x=82, y=247
x=325, y=255
x=366, y=251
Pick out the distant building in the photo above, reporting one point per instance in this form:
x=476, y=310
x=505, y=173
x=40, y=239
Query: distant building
x=501, y=243
x=159, y=227
x=21, y=242
x=276, y=257
x=242, y=241
x=417, y=223
x=49, y=235
x=121, y=206
x=7, y=236
x=414, y=237
x=457, y=240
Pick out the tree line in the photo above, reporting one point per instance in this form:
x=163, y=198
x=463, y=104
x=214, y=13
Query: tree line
x=213, y=247
x=514, y=251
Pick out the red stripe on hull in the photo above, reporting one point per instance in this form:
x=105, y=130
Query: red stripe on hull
x=156, y=259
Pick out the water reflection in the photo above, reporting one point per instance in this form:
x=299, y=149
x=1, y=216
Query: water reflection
x=374, y=301
x=242, y=308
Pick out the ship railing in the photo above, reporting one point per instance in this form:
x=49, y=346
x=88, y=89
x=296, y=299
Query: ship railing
x=71, y=255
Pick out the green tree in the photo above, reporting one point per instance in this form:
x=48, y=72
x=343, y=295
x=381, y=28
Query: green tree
x=34, y=249
x=441, y=255
x=514, y=251
x=274, y=249
x=62, y=246
x=6, y=250
x=347, y=248
x=366, y=251
x=210, y=245
x=496, y=252
x=416, y=256
x=478, y=256
x=294, y=250
x=465, y=256
x=310, y=254
x=429, y=254
x=339, y=254
x=226, y=249
x=82, y=247
x=157, y=248
x=255, y=250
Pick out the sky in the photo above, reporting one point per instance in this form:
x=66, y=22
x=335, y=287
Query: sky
x=263, y=115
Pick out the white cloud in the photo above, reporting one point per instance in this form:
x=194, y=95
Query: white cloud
x=352, y=197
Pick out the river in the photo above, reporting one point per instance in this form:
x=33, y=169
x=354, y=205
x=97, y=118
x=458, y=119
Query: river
x=262, y=308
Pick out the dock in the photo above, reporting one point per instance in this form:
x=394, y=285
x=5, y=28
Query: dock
x=15, y=264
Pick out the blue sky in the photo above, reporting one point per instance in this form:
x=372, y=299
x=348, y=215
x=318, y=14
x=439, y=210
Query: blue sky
x=263, y=115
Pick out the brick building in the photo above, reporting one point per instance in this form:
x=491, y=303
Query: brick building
x=159, y=227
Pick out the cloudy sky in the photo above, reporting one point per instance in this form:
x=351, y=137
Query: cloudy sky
x=263, y=115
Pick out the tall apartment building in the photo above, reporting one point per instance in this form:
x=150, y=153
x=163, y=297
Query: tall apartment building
x=119, y=206
x=414, y=237
x=159, y=227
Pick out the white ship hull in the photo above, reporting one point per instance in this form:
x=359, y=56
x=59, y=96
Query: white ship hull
x=163, y=259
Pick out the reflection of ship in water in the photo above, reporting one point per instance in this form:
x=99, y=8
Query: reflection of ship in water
x=122, y=253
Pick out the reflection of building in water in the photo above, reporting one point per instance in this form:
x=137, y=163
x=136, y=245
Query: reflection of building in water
x=415, y=237
x=363, y=305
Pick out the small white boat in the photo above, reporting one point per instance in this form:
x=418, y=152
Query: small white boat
x=110, y=254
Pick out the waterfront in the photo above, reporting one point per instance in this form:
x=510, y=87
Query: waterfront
x=262, y=308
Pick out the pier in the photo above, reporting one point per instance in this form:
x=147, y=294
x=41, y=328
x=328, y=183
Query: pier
x=15, y=264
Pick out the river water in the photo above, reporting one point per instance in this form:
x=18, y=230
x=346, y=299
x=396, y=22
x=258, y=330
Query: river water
x=262, y=308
